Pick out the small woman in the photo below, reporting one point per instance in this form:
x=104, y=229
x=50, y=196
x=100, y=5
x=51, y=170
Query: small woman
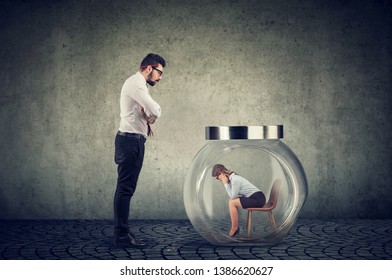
x=242, y=194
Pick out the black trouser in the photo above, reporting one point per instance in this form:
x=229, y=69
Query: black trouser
x=129, y=155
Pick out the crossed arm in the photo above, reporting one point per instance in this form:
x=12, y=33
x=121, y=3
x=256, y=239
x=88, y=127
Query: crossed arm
x=150, y=119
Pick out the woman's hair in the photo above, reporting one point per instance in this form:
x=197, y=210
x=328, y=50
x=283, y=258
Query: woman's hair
x=220, y=168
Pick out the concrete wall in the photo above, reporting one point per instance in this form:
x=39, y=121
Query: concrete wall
x=320, y=68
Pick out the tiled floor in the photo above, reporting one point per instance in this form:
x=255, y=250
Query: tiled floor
x=177, y=239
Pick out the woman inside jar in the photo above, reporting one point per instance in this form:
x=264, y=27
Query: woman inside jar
x=242, y=194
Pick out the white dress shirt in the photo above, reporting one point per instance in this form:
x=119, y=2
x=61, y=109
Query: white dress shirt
x=134, y=98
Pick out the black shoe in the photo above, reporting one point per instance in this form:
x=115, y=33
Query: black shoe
x=235, y=233
x=128, y=241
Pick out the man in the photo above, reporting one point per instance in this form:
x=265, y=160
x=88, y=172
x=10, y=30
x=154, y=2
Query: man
x=138, y=112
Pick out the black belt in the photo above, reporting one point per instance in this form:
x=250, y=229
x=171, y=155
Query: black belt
x=132, y=135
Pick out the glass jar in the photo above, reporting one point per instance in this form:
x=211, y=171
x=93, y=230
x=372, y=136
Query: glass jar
x=257, y=154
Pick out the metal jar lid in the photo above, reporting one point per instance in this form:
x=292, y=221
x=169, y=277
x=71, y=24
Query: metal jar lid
x=244, y=132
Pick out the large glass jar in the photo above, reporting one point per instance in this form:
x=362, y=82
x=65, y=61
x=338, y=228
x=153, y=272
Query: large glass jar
x=257, y=154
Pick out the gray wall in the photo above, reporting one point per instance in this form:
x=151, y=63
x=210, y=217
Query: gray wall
x=320, y=68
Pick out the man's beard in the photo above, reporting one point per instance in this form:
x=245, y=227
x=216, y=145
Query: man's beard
x=150, y=81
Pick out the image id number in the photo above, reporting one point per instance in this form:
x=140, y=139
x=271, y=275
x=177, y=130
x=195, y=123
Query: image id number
x=243, y=270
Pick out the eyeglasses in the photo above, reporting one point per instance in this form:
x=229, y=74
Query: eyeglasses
x=159, y=71
x=153, y=67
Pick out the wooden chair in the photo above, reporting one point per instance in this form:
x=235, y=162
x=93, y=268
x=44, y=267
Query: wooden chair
x=268, y=207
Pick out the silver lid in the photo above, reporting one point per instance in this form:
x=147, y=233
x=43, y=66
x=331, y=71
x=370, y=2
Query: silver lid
x=244, y=132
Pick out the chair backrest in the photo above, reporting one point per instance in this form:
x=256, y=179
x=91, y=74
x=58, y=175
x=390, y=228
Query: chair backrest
x=273, y=198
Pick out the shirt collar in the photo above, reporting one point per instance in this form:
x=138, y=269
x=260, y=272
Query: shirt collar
x=141, y=77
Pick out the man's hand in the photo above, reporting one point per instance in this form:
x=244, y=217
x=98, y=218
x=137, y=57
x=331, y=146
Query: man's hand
x=150, y=120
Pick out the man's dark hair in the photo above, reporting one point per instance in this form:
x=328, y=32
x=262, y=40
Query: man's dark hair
x=153, y=59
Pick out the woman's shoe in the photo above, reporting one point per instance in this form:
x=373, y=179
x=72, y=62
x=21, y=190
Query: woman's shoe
x=235, y=233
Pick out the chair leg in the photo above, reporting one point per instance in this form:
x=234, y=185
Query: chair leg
x=272, y=220
x=249, y=222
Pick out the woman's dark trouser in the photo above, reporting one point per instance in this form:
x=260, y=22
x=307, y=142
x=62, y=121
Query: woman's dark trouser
x=129, y=155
